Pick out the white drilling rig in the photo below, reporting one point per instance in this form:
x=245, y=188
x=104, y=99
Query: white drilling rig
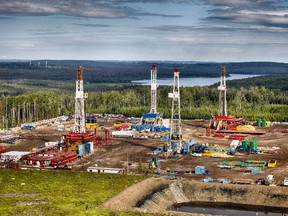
x=80, y=117
x=153, y=89
x=175, y=124
x=222, y=111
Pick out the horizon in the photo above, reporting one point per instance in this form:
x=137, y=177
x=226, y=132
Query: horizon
x=150, y=61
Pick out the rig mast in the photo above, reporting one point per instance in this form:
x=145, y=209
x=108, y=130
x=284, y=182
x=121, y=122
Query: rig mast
x=222, y=111
x=175, y=125
x=79, y=124
x=153, y=89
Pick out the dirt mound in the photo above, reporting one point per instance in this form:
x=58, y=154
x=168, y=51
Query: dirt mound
x=156, y=195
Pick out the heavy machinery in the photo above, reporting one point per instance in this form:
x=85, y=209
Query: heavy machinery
x=79, y=135
x=224, y=123
x=155, y=165
x=265, y=181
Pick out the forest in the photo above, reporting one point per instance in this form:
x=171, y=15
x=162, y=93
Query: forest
x=26, y=97
x=196, y=103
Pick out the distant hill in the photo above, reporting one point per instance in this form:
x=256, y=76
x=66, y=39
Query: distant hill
x=270, y=82
x=126, y=71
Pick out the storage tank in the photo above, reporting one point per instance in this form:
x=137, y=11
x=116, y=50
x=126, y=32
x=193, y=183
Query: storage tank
x=245, y=144
x=263, y=122
x=254, y=144
x=88, y=148
x=81, y=150
x=258, y=122
x=91, y=147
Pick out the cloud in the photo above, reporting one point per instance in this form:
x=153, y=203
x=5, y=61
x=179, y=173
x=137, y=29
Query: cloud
x=5, y=18
x=148, y=1
x=91, y=25
x=218, y=29
x=248, y=12
x=158, y=15
x=84, y=8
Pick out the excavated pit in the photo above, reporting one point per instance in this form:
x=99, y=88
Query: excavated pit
x=156, y=195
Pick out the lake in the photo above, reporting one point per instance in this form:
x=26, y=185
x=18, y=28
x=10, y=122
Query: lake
x=194, y=81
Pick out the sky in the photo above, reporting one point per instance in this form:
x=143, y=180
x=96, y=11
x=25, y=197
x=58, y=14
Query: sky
x=159, y=30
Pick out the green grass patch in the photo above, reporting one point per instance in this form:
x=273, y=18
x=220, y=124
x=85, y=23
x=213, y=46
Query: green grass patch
x=27, y=192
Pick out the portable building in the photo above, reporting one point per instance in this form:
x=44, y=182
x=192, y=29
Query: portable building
x=105, y=170
x=13, y=155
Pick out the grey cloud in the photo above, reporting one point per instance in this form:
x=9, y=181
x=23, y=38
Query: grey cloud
x=242, y=4
x=49, y=33
x=251, y=19
x=5, y=18
x=247, y=12
x=84, y=8
x=218, y=29
x=150, y=1
x=45, y=32
x=91, y=25
x=159, y=15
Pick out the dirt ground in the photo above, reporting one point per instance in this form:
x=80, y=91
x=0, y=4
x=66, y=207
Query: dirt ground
x=117, y=155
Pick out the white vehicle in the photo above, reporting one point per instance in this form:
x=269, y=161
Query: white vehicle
x=196, y=154
x=285, y=182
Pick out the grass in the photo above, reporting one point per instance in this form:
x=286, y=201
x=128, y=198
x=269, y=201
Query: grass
x=26, y=192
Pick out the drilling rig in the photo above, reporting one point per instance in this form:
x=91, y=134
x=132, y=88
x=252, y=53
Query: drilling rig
x=224, y=122
x=153, y=89
x=80, y=117
x=79, y=135
x=222, y=111
x=153, y=117
x=175, y=141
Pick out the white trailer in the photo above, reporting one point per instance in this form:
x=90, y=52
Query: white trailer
x=123, y=134
x=13, y=156
x=105, y=170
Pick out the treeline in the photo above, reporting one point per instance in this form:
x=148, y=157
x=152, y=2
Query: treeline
x=270, y=82
x=196, y=103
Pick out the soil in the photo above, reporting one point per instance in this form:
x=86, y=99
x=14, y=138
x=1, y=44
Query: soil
x=156, y=195
x=134, y=151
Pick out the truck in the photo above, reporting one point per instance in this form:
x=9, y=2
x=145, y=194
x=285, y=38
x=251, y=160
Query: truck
x=266, y=181
x=285, y=181
x=28, y=126
x=158, y=150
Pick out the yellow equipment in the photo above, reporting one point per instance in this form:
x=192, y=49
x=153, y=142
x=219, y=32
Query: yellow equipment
x=91, y=125
x=272, y=163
